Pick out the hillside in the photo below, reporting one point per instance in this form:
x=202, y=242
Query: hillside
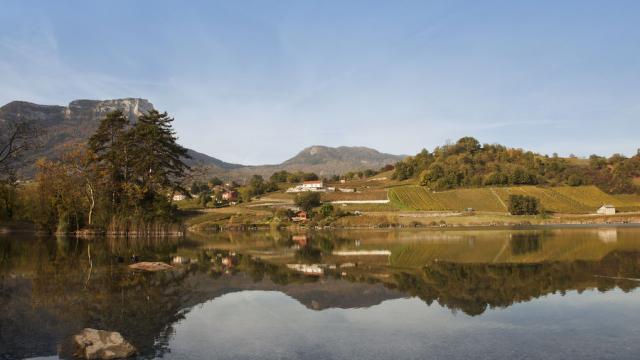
x=468, y=163
x=340, y=159
x=198, y=158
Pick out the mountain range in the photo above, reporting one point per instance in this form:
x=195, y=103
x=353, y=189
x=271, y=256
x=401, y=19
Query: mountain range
x=74, y=124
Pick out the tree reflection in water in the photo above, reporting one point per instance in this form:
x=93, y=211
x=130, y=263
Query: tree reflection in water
x=472, y=288
x=46, y=293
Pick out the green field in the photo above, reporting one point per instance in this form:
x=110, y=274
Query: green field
x=565, y=199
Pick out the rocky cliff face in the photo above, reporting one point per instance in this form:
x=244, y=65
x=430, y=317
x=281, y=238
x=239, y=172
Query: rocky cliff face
x=65, y=125
x=94, y=110
x=86, y=112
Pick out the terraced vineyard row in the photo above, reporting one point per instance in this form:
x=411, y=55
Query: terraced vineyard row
x=482, y=198
x=550, y=199
x=420, y=198
x=634, y=200
x=414, y=198
x=573, y=200
x=372, y=194
x=594, y=197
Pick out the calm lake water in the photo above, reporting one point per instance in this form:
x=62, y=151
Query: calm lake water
x=552, y=293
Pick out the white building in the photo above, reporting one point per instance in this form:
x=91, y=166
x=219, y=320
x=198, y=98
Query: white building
x=313, y=269
x=315, y=185
x=607, y=210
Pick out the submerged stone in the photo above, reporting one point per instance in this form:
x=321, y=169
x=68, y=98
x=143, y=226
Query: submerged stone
x=150, y=266
x=101, y=344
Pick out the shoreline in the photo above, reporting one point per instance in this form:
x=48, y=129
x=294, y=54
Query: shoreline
x=366, y=221
x=568, y=221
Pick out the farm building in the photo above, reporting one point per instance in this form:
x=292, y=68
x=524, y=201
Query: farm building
x=230, y=196
x=607, y=210
x=315, y=185
x=300, y=216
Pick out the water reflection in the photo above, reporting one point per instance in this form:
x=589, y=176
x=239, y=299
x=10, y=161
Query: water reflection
x=522, y=243
x=51, y=288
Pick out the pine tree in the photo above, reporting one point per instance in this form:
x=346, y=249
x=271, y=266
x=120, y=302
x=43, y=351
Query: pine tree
x=109, y=147
x=157, y=158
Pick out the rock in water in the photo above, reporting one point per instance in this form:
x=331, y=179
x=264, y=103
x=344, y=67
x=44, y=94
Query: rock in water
x=150, y=266
x=100, y=344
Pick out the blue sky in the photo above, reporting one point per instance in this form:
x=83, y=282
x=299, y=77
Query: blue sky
x=256, y=81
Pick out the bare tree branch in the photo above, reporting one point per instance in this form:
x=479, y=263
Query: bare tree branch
x=16, y=139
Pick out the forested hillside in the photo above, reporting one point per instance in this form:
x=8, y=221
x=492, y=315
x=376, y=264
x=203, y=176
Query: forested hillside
x=467, y=163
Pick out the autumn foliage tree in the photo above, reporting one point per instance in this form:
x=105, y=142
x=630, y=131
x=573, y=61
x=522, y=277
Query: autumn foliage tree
x=126, y=171
x=467, y=163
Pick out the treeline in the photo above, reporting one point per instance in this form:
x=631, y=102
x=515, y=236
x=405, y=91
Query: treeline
x=474, y=288
x=124, y=177
x=284, y=176
x=467, y=163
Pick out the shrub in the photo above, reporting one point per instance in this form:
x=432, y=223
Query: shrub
x=575, y=180
x=523, y=205
x=307, y=200
x=326, y=210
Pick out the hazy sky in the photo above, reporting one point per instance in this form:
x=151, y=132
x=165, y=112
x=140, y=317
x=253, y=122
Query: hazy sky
x=255, y=82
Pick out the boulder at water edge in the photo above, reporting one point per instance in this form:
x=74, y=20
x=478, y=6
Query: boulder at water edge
x=100, y=344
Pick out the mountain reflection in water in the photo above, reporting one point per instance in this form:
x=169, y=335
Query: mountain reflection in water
x=52, y=287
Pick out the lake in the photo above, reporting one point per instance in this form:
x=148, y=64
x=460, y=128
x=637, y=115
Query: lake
x=538, y=293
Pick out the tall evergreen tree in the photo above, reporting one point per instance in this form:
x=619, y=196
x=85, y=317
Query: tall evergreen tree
x=110, y=149
x=158, y=158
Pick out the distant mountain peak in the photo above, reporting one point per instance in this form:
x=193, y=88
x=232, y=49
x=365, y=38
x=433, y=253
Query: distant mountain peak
x=355, y=155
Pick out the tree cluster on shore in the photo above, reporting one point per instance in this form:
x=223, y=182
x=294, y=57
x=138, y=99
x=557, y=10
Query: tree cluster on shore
x=523, y=205
x=467, y=163
x=127, y=172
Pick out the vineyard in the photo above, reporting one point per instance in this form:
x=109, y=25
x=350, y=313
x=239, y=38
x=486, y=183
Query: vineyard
x=414, y=198
x=420, y=198
x=566, y=199
x=370, y=194
x=550, y=199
